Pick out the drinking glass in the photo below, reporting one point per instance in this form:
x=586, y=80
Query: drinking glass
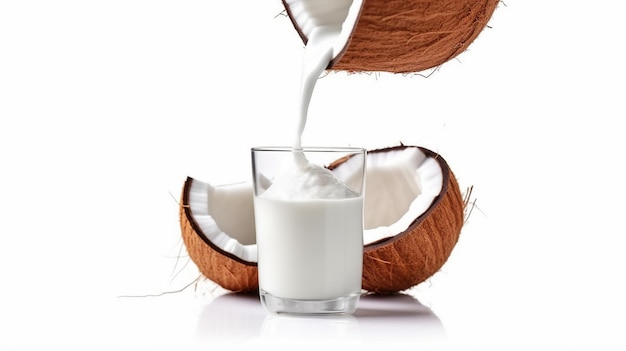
x=309, y=228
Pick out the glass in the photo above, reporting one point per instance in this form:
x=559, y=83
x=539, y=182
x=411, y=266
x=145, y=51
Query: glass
x=309, y=228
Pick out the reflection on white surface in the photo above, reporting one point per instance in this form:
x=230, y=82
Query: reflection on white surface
x=312, y=329
x=232, y=318
x=240, y=319
x=399, y=316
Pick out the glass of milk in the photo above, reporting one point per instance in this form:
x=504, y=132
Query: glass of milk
x=309, y=228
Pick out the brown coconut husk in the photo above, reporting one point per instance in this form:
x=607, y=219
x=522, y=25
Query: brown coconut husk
x=404, y=36
x=411, y=257
x=221, y=267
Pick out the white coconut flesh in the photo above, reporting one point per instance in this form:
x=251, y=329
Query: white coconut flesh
x=401, y=185
x=310, y=15
x=218, y=210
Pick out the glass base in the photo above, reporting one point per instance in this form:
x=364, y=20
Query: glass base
x=338, y=306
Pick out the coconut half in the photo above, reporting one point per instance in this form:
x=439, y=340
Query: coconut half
x=413, y=215
x=397, y=36
x=217, y=224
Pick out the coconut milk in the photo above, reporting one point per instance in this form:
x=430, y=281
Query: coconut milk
x=309, y=228
x=310, y=250
x=317, y=55
x=309, y=225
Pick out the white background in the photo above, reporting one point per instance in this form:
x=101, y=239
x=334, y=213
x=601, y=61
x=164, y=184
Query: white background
x=107, y=106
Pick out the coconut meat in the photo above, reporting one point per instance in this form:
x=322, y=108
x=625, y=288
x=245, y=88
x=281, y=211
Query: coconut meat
x=400, y=186
x=223, y=209
x=310, y=15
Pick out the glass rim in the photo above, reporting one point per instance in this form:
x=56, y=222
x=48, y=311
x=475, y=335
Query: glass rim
x=344, y=149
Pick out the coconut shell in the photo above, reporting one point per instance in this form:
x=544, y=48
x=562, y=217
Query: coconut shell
x=404, y=36
x=411, y=257
x=223, y=268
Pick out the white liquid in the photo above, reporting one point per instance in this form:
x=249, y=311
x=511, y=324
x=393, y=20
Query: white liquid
x=309, y=228
x=317, y=55
x=309, y=249
x=309, y=225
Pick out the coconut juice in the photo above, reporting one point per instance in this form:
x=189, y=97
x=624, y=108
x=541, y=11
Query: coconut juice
x=309, y=225
x=309, y=228
x=312, y=250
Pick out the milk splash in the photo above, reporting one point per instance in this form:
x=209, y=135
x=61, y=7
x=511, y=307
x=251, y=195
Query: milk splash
x=308, y=181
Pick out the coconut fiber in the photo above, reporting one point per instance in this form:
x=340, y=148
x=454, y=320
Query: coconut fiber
x=404, y=36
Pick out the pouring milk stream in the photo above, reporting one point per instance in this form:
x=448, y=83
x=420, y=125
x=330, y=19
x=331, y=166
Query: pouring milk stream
x=309, y=223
